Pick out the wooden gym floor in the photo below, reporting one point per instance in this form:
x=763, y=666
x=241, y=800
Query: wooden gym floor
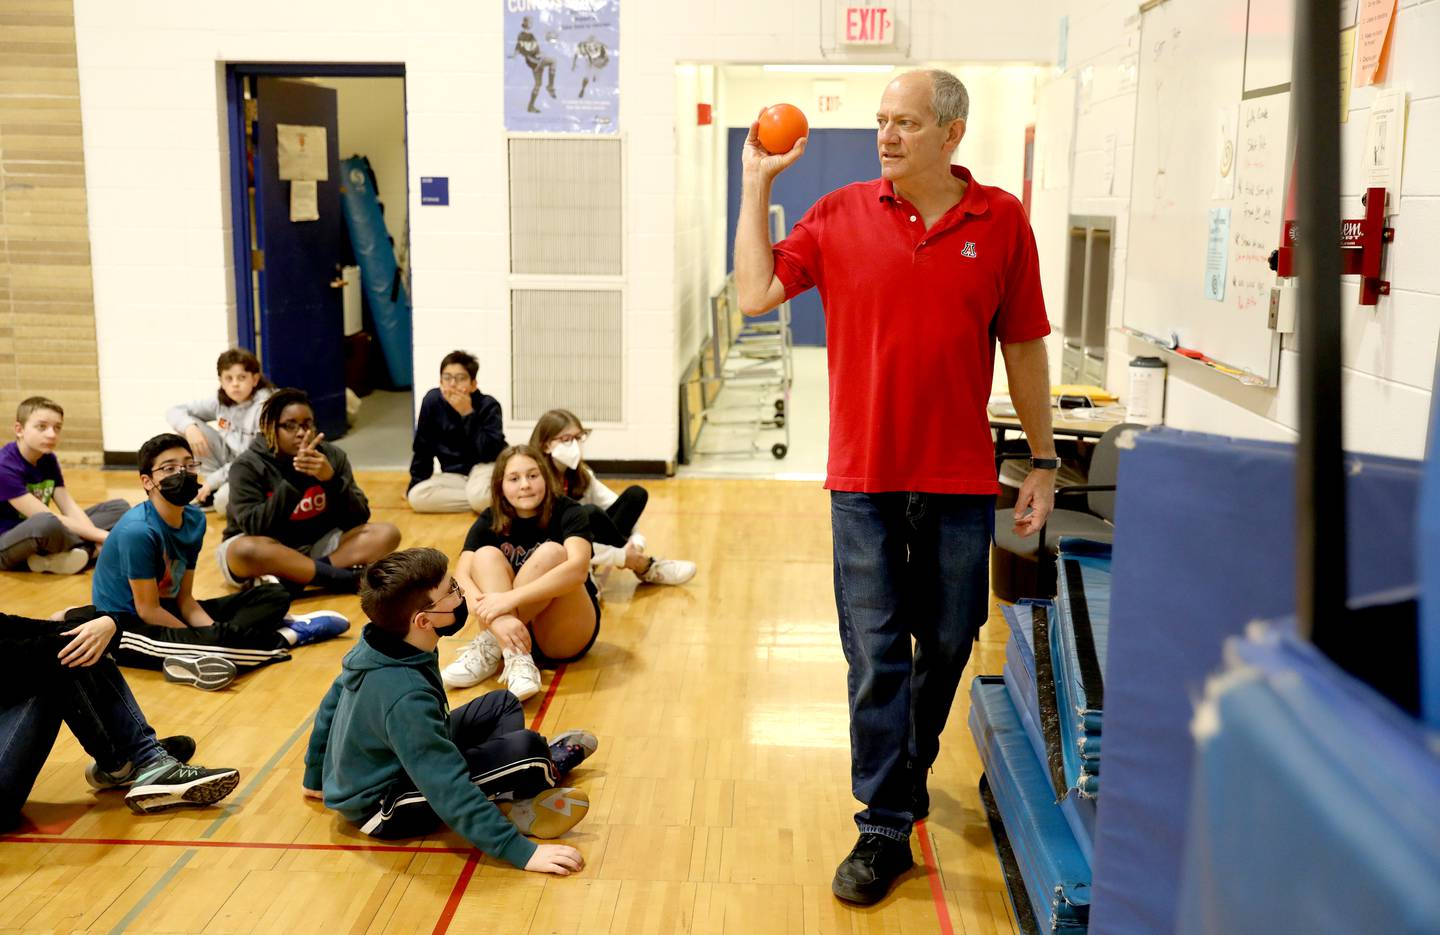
x=720, y=792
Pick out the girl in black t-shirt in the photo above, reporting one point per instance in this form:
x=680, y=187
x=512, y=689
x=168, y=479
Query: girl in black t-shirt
x=526, y=569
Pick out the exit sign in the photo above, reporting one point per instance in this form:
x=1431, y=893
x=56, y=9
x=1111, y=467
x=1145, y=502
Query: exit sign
x=867, y=25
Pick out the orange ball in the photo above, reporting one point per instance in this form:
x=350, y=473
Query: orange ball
x=780, y=126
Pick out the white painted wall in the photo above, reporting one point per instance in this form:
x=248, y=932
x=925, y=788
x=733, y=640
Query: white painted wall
x=153, y=110
x=1389, y=350
x=371, y=118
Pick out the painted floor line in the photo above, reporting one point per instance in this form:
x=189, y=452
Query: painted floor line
x=932, y=873
x=253, y=845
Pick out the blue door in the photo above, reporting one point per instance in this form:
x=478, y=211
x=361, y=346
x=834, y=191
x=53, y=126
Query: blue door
x=300, y=312
x=833, y=158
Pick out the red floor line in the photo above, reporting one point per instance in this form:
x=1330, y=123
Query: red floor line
x=259, y=845
x=932, y=872
x=453, y=903
x=549, y=694
x=442, y=924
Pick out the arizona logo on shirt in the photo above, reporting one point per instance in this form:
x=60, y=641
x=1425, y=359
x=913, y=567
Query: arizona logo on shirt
x=969, y=249
x=514, y=553
x=311, y=505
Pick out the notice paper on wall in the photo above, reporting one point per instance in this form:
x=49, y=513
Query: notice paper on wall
x=1385, y=144
x=304, y=200
x=302, y=151
x=1347, y=67
x=1377, y=19
x=1217, y=251
x=562, y=66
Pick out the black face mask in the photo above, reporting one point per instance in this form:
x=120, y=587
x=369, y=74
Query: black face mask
x=179, y=488
x=450, y=629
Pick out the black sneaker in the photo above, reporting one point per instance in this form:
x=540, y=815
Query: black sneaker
x=876, y=862
x=179, y=746
x=168, y=785
x=569, y=750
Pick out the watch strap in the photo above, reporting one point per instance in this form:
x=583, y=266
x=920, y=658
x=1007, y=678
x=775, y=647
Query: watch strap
x=1044, y=464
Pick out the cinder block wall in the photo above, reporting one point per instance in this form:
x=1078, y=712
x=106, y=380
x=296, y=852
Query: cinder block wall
x=47, y=310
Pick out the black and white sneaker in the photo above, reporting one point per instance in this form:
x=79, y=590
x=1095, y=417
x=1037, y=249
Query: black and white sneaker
x=170, y=785
x=570, y=749
x=207, y=673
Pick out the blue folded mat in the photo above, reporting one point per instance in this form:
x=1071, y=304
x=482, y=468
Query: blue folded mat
x=1294, y=826
x=1056, y=874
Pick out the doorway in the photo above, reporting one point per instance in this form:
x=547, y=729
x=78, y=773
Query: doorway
x=320, y=199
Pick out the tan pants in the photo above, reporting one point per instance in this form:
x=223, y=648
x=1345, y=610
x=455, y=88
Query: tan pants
x=453, y=493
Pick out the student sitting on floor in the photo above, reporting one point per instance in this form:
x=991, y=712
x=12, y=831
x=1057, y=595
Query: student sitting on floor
x=613, y=516
x=53, y=672
x=385, y=753
x=41, y=526
x=526, y=567
x=235, y=410
x=146, y=572
x=463, y=428
x=295, y=509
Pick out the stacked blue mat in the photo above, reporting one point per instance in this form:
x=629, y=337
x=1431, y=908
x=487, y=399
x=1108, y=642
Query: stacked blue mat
x=1038, y=731
x=1313, y=805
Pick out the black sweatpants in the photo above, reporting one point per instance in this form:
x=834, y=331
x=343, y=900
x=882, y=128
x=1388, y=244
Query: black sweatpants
x=506, y=761
x=244, y=631
x=615, y=525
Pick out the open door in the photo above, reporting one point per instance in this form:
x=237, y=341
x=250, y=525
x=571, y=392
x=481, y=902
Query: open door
x=298, y=264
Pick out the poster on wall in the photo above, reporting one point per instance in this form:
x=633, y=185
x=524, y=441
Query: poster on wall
x=562, y=66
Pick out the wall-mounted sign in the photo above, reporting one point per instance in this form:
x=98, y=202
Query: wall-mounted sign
x=866, y=25
x=435, y=189
x=562, y=66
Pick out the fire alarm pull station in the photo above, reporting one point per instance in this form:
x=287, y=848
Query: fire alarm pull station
x=1362, y=242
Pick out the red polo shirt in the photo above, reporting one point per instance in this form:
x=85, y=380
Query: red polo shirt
x=911, y=320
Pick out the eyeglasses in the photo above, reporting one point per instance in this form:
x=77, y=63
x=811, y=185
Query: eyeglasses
x=453, y=592
x=460, y=378
x=305, y=425
x=572, y=437
x=162, y=471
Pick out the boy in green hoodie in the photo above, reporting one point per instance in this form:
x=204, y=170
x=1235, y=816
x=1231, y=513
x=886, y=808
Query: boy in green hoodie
x=387, y=753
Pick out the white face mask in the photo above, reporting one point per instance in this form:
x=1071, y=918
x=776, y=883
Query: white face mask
x=566, y=453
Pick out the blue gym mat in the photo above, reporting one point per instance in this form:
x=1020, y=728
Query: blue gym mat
x=1294, y=826
x=1057, y=877
x=1204, y=544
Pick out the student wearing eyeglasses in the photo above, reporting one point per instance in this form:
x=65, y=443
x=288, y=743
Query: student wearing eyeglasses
x=145, y=578
x=295, y=509
x=463, y=429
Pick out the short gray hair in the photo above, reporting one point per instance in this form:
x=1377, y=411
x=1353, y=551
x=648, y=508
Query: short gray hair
x=948, y=97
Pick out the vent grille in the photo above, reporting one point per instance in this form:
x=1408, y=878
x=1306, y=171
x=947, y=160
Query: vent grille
x=568, y=353
x=565, y=207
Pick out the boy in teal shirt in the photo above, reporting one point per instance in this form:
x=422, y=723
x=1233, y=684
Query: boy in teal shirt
x=387, y=753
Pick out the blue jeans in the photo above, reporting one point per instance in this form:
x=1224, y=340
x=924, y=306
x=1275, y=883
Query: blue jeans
x=102, y=714
x=906, y=565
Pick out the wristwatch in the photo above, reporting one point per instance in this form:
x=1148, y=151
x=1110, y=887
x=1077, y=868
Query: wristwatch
x=1044, y=464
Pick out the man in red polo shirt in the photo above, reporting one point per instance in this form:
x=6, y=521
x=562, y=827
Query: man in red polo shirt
x=920, y=272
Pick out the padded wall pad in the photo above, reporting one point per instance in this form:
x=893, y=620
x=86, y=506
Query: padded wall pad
x=1204, y=544
x=1297, y=827
x=1057, y=877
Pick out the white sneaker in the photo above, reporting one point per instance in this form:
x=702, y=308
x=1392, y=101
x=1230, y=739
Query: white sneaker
x=668, y=571
x=521, y=675
x=476, y=663
x=69, y=562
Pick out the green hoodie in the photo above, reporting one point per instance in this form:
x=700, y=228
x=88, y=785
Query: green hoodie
x=385, y=718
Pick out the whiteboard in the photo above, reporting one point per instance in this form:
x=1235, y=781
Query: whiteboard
x=1191, y=74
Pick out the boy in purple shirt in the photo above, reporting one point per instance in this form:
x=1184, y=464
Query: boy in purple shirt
x=41, y=525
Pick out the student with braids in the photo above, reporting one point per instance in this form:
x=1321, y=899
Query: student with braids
x=295, y=510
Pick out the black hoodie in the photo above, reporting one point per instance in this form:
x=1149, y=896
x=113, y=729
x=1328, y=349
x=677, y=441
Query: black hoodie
x=268, y=497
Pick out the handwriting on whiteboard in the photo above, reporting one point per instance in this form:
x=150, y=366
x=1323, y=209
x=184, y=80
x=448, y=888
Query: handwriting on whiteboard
x=1259, y=201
